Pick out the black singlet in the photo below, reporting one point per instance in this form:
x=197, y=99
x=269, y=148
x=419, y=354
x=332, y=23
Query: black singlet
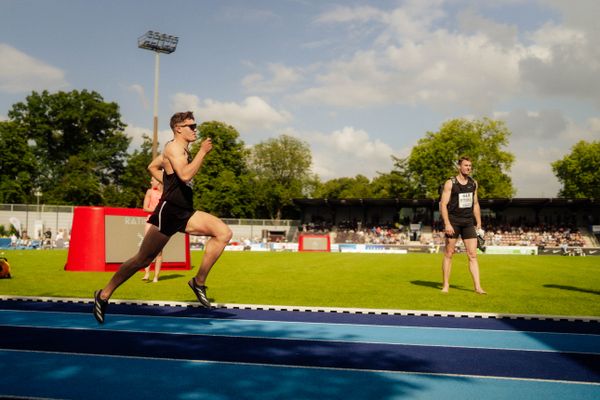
x=462, y=197
x=176, y=191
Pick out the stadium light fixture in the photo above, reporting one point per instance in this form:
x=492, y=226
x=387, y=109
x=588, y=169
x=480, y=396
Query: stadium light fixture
x=158, y=43
x=38, y=194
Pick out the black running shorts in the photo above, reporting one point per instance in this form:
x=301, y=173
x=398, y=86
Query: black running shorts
x=170, y=219
x=464, y=230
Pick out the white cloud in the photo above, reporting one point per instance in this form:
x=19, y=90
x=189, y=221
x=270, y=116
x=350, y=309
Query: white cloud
x=412, y=61
x=357, y=83
x=341, y=14
x=136, y=134
x=253, y=114
x=281, y=78
x=141, y=92
x=412, y=21
x=593, y=128
x=415, y=60
x=535, y=125
x=248, y=15
x=538, y=139
x=20, y=73
x=470, y=21
x=532, y=174
x=185, y=102
x=588, y=131
x=571, y=63
x=446, y=71
x=347, y=153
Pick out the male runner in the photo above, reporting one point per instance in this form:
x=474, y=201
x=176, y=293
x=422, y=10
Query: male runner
x=174, y=213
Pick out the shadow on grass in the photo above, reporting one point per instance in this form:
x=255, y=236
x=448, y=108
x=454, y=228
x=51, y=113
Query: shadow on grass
x=170, y=276
x=572, y=288
x=438, y=285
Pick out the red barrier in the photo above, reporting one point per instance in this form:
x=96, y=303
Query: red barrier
x=102, y=238
x=313, y=242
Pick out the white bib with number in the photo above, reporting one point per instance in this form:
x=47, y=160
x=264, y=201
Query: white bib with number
x=465, y=200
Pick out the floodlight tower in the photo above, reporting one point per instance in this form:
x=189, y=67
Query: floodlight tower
x=158, y=43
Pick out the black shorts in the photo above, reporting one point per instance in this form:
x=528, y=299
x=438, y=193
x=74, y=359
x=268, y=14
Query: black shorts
x=170, y=219
x=466, y=230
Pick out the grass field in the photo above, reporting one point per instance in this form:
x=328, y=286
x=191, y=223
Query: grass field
x=549, y=285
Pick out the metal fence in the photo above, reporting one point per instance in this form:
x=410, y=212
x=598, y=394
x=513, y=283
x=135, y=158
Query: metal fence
x=38, y=218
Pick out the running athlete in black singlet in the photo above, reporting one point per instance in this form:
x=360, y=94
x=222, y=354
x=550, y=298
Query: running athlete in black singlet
x=176, y=206
x=174, y=213
x=461, y=215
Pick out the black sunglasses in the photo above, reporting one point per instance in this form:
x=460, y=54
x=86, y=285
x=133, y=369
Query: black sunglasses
x=191, y=126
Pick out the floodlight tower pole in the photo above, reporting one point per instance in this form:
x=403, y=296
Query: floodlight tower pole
x=158, y=43
x=155, y=119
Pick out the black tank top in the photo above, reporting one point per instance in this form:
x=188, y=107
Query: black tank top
x=460, y=206
x=176, y=191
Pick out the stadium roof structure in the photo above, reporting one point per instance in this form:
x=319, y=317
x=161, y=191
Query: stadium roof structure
x=487, y=203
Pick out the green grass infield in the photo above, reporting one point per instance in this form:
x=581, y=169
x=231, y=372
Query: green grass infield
x=541, y=285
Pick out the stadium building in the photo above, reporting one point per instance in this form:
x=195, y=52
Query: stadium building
x=546, y=223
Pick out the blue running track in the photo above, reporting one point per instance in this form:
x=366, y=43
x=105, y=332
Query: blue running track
x=57, y=350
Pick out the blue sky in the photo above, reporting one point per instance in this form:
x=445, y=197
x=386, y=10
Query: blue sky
x=358, y=81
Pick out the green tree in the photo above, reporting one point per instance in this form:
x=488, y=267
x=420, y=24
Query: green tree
x=579, y=171
x=18, y=165
x=358, y=187
x=224, y=185
x=130, y=189
x=397, y=183
x=76, y=184
x=433, y=159
x=73, y=133
x=281, y=168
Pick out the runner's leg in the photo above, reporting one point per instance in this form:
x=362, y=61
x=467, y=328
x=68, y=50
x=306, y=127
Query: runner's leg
x=447, y=263
x=204, y=224
x=471, y=246
x=153, y=243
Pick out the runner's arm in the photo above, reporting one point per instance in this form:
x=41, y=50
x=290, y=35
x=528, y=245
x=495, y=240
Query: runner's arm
x=177, y=156
x=476, y=209
x=156, y=168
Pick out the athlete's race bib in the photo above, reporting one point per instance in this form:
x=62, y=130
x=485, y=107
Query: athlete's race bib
x=465, y=200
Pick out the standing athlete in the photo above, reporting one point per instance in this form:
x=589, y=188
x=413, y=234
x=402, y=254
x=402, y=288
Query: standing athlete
x=461, y=215
x=174, y=213
x=151, y=200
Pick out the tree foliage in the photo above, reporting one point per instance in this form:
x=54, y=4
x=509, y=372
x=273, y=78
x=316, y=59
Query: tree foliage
x=18, y=165
x=579, y=171
x=77, y=139
x=281, y=169
x=397, y=183
x=130, y=188
x=72, y=147
x=433, y=160
x=224, y=186
x=358, y=187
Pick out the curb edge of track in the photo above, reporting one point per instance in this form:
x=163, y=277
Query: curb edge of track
x=335, y=310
